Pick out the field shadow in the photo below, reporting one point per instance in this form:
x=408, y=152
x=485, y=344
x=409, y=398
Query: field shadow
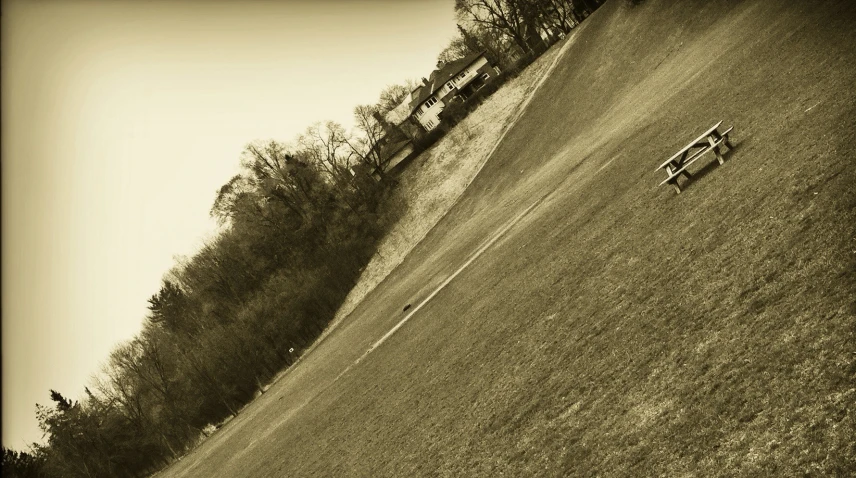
x=714, y=164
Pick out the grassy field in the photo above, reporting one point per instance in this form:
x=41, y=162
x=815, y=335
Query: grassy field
x=617, y=329
x=435, y=180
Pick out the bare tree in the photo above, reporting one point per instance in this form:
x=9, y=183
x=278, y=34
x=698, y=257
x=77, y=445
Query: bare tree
x=456, y=49
x=524, y=22
x=393, y=95
x=497, y=48
x=279, y=176
x=326, y=144
x=506, y=16
x=562, y=14
x=367, y=147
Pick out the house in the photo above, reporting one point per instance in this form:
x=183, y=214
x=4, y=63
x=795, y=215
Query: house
x=456, y=79
x=387, y=153
x=399, y=117
x=396, y=144
x=394, y=152
x=391, y=155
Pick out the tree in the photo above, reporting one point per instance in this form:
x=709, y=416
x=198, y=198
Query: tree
x=367, y=147
x=510, y=17
x=327, y=146
x=81, y=443
x=21, y=464
x=296, y=229
x=170, y=307
x=393, y=95
x=497, y=48
x=525, y=21
x=456, y=49
x=236, y=200
x=282, y=177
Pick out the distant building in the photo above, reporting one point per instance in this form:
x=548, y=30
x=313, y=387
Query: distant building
x=391, y=155
x=397, y=122
x=393, y=147
x=400, y=117
x=456, y=79
x=394, y=152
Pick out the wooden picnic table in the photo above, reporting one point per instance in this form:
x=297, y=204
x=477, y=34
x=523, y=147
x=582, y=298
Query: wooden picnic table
x=710, y=140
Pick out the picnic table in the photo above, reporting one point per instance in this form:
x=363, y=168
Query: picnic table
x=677, y=165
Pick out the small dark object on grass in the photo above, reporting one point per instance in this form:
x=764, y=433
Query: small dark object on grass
x=405, y=308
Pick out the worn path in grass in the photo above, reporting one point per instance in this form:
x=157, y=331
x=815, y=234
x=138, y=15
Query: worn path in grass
x=618, y=329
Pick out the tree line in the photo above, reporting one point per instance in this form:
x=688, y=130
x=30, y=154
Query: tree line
x=508, y=29
x=511, y=34
x=297, y=227
x=298, y=224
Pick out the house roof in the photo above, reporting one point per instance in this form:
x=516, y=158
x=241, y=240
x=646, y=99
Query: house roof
x=400, y=113
x=439, y=78
x=392, y=149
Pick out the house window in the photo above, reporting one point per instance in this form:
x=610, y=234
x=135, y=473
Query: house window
x=450, y=86
x=461, y=75
x=485, y=77
x=431, y=102
x=430, y=124
x=418, y=113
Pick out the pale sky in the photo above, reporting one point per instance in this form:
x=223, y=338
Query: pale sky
x=122, y=118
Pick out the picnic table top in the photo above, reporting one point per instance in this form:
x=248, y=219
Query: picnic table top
x=690, y=145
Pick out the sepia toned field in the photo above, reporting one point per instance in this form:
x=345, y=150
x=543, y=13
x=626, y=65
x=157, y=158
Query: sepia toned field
x=435, y=180
x=582, y=320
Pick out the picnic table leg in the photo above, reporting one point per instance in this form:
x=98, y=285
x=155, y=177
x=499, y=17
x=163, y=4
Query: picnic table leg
x=671, y=168
x=674, y=181
x=684, y=172
x=712, y=140
x=675, y=185
x=724, y=139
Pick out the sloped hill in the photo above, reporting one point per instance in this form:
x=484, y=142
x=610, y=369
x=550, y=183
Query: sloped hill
x=432, y=184
x=573, y=319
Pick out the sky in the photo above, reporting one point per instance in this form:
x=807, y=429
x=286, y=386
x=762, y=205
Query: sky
x=120, y=121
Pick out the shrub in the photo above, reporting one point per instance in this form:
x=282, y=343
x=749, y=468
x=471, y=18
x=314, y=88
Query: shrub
x=424, y=141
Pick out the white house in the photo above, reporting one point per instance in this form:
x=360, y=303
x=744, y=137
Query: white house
x=457, y=79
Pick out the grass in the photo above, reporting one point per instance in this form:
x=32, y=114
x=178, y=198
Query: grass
x=435, y=180
x=618, y=329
